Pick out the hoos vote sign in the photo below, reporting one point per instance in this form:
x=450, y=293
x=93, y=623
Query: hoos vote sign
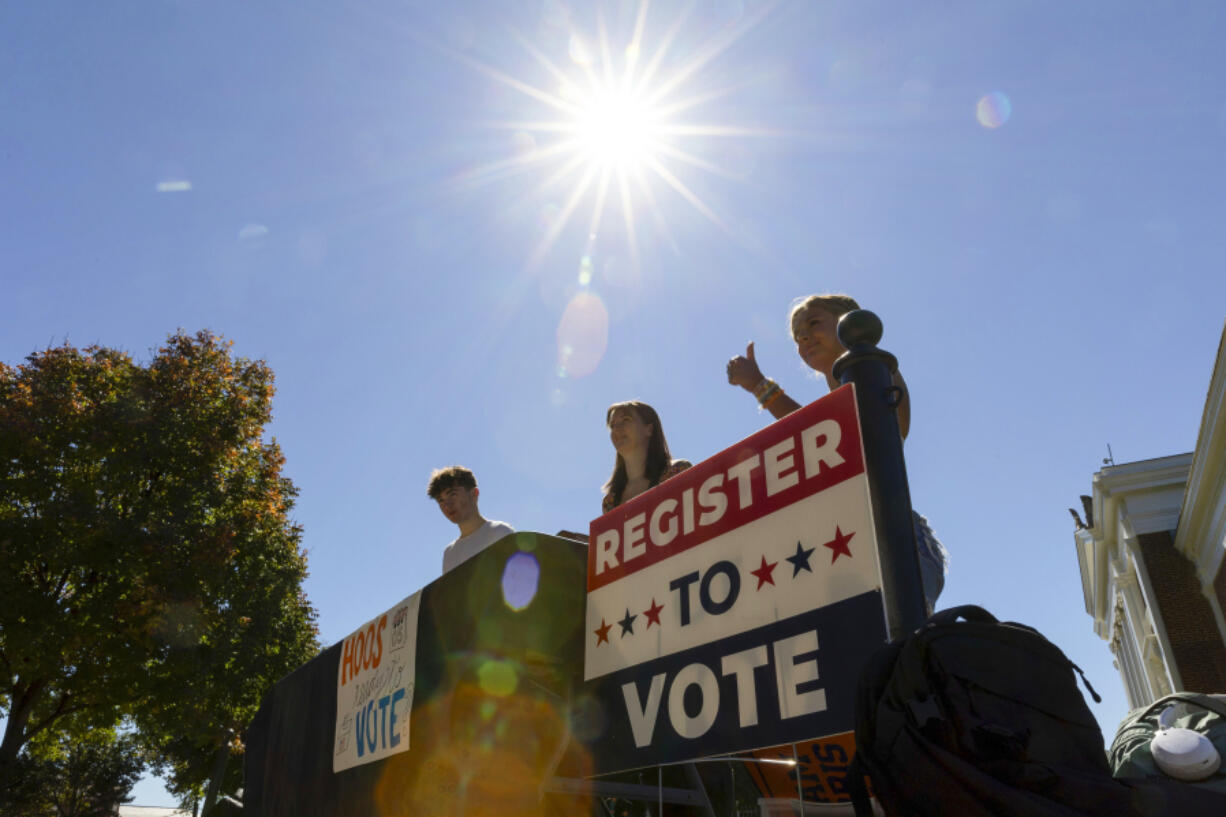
x=374, y=687
x=732, y=607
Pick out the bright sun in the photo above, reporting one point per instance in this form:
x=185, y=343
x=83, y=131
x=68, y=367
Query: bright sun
x=617, y=129
x=618, y=125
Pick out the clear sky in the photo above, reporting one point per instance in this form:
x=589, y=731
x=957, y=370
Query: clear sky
x=398, y=206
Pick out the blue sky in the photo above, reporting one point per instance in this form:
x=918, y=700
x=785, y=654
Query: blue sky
x=364, y=195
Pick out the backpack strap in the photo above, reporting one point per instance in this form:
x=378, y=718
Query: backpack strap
x=1216, y=705
x=969, y=612
x=1093, y=692
x=856, y=788
x=1211, y=702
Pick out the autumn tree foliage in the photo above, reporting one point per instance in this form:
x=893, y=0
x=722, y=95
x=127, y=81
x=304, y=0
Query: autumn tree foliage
x=150, y=570
x=74, y=774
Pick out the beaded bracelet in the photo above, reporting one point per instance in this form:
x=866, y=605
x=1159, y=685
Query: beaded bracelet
x=763, y=388
x=769, y=394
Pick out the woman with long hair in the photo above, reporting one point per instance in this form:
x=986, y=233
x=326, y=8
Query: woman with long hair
x=643, y=460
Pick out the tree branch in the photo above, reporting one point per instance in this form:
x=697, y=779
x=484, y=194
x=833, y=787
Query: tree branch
x=21, y=705
x=63, y=582
x=61, y=709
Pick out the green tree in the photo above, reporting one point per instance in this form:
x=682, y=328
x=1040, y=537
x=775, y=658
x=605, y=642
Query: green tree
x=150, y=567
x=86, y=775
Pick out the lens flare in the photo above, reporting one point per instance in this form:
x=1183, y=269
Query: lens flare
x=478, y=754
x=548, y=216
x=488, y=708
x=583, y=335
x=497, y=678
x=579, y=51
x=524, y=144
x=993, y=110
x=520, y=578
x=588, y=718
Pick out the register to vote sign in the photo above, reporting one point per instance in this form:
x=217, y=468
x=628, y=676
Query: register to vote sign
x=731, y=607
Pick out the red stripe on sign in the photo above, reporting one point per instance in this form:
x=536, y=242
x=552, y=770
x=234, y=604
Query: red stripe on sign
x=806, y=452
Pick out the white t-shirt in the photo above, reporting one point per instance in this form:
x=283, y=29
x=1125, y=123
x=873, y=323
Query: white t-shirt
x=466, y=547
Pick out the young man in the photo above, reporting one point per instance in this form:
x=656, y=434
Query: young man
x=455, y=490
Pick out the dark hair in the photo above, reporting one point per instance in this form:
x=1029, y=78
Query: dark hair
x=450, y=477
x=658, y=457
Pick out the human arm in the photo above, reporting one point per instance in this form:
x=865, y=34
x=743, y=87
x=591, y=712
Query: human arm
x=743, y=371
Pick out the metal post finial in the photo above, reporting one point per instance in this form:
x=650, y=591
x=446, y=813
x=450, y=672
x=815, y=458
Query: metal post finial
x=859, y=326
x=877, y=399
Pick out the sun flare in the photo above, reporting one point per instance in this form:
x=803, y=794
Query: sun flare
x=617, y=129
x=618, y=123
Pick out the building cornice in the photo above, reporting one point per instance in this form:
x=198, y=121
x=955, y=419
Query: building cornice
x=1202, y=520
x=1144, y=509
x=1130, y=499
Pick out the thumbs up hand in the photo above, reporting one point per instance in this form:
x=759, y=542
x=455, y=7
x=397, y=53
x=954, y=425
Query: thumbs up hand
x=743, y=370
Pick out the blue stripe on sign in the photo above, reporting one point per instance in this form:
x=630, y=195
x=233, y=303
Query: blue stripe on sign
x=787, y=681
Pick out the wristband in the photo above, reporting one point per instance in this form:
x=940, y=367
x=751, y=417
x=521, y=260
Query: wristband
x=770, y=394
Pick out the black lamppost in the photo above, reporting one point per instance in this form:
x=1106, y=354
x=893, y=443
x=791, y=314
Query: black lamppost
x=877, y=399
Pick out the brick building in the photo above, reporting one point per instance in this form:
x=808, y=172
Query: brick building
x=1151, y=550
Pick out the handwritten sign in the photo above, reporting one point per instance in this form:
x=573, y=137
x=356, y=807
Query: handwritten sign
x=374, y=687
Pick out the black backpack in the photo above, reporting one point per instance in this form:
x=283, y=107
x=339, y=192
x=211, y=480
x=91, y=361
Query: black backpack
x=971, y=717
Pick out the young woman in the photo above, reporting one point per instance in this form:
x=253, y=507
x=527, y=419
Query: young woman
x=813, y=322
x=643, y=460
